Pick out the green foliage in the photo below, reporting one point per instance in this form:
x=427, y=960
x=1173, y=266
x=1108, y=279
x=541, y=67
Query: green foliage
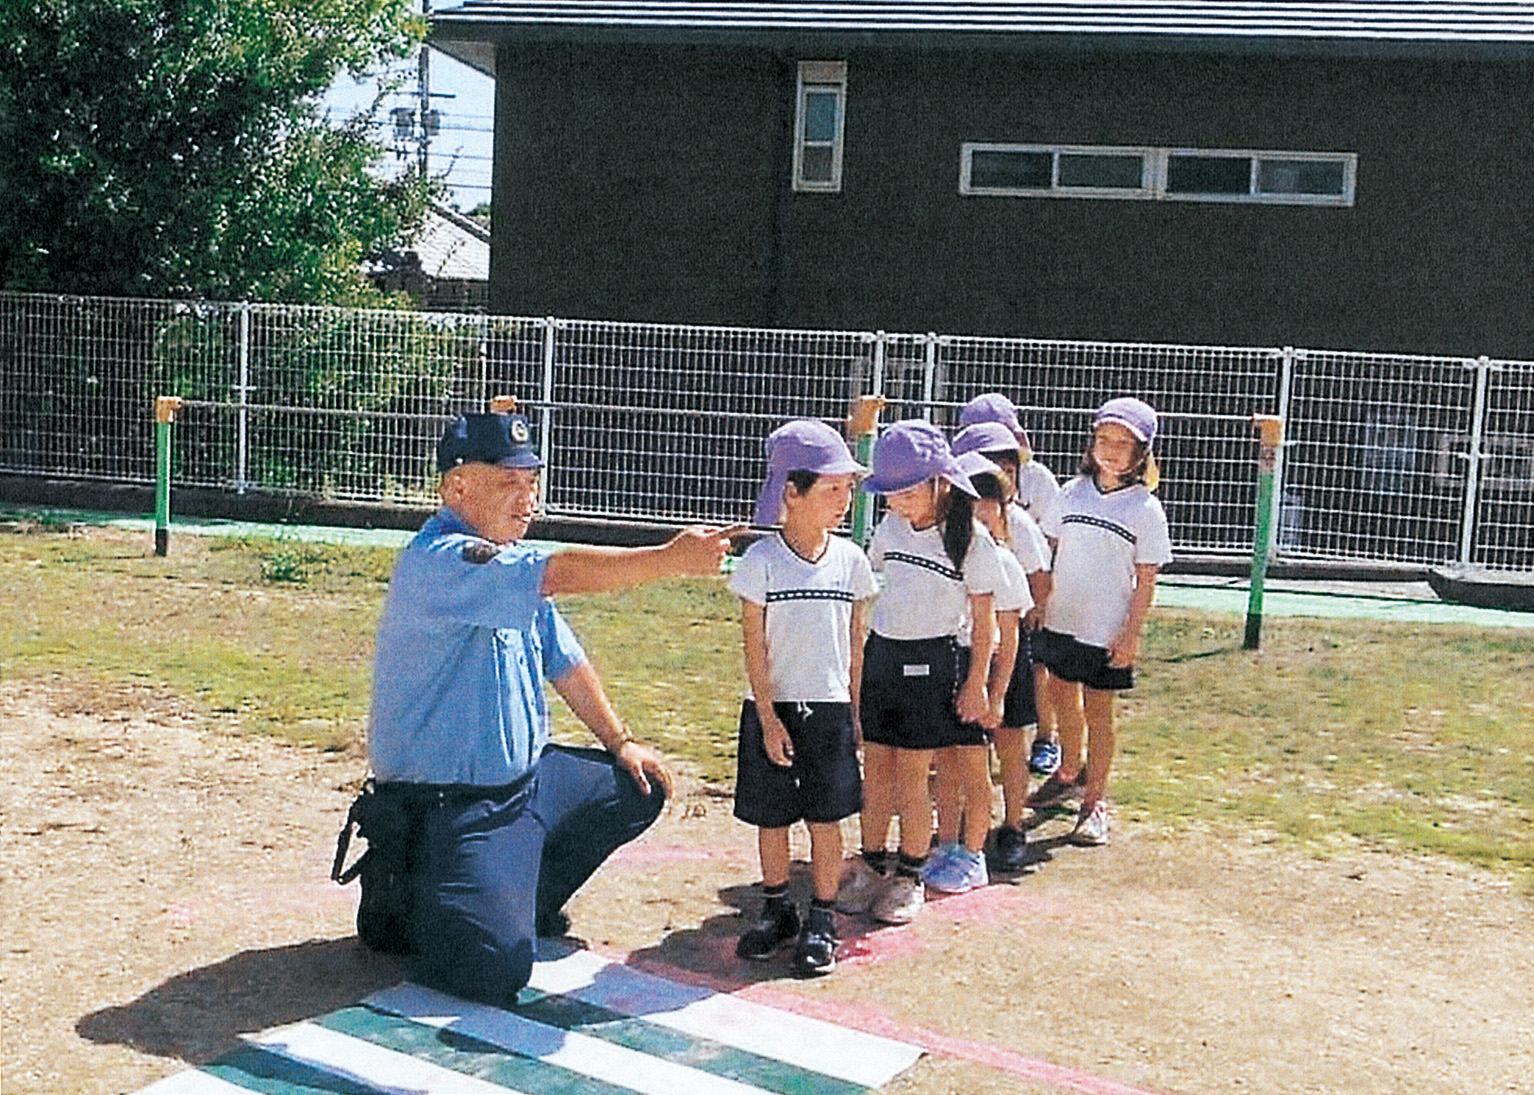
x=172, y=148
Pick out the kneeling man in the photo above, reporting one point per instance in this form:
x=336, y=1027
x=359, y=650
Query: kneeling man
x=503, y=827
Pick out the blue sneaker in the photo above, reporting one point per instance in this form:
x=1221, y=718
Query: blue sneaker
x=1044, y=757
x=961, y=872
x=937, y=861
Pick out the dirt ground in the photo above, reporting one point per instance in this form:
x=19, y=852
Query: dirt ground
x=165, y=888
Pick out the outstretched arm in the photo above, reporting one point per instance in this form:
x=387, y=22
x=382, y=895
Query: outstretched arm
x=694, y=552
x=582, y=690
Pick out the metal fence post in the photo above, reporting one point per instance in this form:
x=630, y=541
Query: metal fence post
x=1482, y=367
x=546, y=409
x=242, y=415
x=1287, y=360
x=929, y=378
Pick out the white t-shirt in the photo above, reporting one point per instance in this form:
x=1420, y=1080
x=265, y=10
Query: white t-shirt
x=1036, y=486
x=1028, y=541
x=924, y=596
x=809, y=614
x=1101, y=539
x=1013, y=595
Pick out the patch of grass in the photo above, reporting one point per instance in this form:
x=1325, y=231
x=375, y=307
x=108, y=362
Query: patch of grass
x=293, y=661
x=1410, y=738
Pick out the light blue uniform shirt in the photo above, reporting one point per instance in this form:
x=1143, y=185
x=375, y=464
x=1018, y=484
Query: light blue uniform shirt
x=463, y=651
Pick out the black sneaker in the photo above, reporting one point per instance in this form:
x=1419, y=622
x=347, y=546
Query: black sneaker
x=1011, y=852
x=778, y=924
x=815, y=952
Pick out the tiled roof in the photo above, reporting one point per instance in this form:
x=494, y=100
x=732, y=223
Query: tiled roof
x=452, y=247
x=1212, y=22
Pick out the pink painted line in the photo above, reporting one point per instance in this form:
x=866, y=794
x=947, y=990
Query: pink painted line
x=872, y=1020
x=643, y=854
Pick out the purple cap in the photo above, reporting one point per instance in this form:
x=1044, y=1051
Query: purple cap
x=984, y=437
x=805, y=444
x=975, y=463
x=500, y=439
x=995, y=407
x=912, y=452
x=1135, y=415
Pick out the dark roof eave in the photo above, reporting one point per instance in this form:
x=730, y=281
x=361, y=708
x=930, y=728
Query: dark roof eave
x=464, y=38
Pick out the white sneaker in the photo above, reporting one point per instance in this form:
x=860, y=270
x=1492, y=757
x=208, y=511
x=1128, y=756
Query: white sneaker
x=901, y=900
x=860, y=887
x=1092, y=825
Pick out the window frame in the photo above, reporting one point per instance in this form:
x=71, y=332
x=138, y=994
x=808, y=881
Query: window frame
x=1155, y=168
x=1054, y=189
x=820, y=77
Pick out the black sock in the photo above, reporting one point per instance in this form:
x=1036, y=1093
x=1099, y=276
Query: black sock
x=878, y=860
x=775, y=895
x=910, y=865
x=823, y=903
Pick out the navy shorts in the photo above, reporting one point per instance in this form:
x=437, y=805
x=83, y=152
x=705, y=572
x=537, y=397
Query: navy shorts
x=1020, y=707
x=909, y=687
x=824, y=783
x=1075, y=661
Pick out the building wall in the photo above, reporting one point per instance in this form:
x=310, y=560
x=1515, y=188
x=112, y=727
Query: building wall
x=652, y=184
x=639, y=185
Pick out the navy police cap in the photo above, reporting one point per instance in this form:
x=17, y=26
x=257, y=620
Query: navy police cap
x=501, y=439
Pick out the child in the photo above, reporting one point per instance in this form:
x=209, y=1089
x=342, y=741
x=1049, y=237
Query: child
x=1110, y=536
x=921, y=689
x=1020, y=708
x=802, y=594
x=1036, y=487
x=964, y=771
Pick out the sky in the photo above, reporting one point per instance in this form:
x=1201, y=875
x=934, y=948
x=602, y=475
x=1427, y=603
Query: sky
x=465, y=101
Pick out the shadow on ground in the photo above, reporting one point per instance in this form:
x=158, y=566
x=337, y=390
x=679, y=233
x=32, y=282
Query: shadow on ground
x=197, y=1016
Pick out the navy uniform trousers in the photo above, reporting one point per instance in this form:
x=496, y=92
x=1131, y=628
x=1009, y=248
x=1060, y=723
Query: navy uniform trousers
x=487, y=869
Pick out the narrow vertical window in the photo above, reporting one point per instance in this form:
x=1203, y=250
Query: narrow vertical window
x=818, y=125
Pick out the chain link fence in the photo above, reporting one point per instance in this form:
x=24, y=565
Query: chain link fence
x=1388, y=459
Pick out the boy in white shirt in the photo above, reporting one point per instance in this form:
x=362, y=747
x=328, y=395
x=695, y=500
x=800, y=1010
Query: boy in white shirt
x=802, y=594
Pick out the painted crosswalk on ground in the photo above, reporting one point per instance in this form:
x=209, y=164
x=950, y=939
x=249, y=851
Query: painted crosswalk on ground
x=584, y=1025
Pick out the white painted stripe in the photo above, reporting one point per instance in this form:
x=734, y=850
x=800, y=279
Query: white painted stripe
x=580, y=1053
x=380, y=1069
x=807, y=1043
x=194, y=1083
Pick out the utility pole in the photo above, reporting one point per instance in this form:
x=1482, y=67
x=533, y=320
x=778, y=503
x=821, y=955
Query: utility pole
x=423, y=83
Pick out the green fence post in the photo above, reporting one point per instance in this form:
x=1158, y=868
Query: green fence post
x=863, y=426
x=165, y=408
x=1270, y=430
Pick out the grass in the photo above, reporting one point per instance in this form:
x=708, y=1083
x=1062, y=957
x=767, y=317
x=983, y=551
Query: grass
x=1411, y=738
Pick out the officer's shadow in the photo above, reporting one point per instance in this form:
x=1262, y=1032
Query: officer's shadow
x=198, y=1016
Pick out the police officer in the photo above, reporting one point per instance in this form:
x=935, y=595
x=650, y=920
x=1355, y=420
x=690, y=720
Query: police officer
x=504, y=827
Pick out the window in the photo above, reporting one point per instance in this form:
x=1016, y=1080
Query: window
x=1214, y=175
x=1040, y=170
x=818, y=125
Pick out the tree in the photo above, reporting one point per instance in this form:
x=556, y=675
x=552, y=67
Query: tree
x=174, y=148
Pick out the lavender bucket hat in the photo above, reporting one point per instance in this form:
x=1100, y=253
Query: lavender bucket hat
x=805, y=444
x=985, y=437
x=1135, y=415
x=995, y=407
x=911, y=452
